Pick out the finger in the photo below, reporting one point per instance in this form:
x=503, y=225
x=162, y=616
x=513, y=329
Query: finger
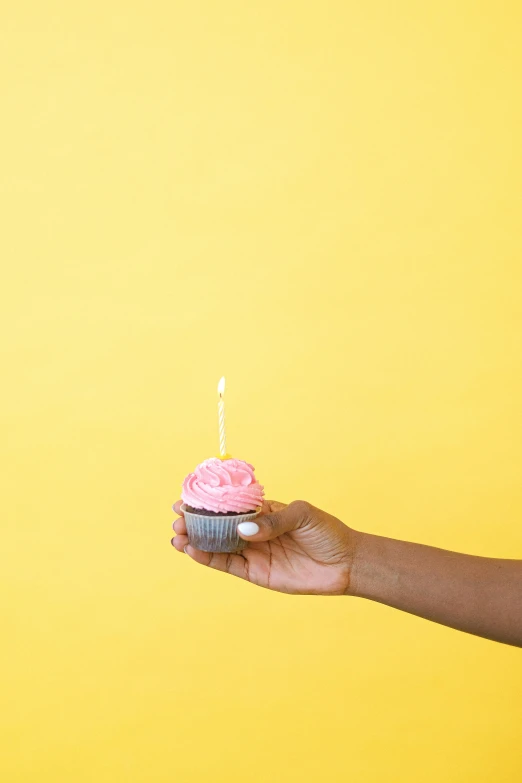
x=220, y=561
x=177, y=507
x=179, y=526
x=281, y=520
x=271, y=505
x=179, y=542
x=274, y=505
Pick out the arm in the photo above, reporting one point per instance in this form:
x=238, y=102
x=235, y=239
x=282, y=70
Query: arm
x=300, y=549
x=479, y=595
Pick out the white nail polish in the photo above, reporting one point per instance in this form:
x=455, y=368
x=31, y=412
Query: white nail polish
x=248, y=528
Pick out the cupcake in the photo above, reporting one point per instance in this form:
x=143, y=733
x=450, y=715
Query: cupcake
x=216, y=498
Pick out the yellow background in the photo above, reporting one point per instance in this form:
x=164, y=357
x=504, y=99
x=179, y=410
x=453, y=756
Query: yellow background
x=320, y=200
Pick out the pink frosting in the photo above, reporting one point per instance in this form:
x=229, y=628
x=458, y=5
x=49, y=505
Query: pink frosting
x=223, y=486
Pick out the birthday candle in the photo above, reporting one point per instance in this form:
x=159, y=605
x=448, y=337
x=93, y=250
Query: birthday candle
x=221, y=419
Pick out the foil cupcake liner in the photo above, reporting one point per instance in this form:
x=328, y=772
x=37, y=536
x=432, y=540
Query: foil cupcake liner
x=216, y=534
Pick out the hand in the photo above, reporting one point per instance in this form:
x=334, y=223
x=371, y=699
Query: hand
x=298, y=549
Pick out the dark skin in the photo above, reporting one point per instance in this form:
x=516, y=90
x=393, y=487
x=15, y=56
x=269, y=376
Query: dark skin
x=302, y=550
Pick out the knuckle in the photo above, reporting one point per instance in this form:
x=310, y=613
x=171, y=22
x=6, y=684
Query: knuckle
x=301, y=507
x=272, y=520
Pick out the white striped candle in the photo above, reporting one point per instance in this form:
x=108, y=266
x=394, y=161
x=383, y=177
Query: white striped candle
x=221, y=419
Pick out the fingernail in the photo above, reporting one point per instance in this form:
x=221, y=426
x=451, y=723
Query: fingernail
x=172, y=540
x=248, y=528
x=185, y=549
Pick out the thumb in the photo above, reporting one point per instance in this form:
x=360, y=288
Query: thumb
x=276, y=522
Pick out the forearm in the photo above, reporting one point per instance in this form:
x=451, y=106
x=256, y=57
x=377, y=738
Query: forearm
x=479, y=595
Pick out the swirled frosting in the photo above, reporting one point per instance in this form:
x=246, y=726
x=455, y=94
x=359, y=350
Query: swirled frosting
x=223, y=486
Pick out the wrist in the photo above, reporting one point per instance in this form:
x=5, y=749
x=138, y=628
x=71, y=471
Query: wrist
x=375, y=571
x=354, y=556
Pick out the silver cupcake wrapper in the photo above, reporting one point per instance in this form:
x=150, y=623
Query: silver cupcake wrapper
x=216, y=534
